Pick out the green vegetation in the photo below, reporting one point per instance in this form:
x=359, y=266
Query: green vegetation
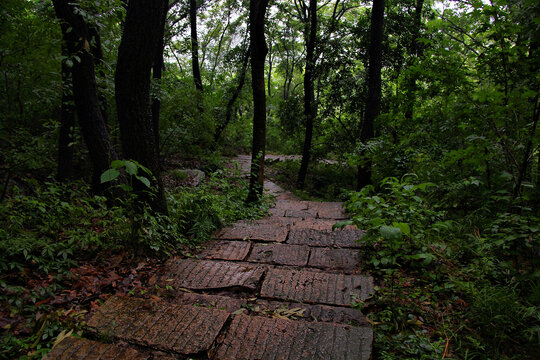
x=448, y=146
x=470, y=280
x=51, y=230
x=325, y=182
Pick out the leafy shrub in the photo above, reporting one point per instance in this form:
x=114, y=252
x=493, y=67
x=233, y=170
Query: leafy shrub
x=198, y=212
x=398, y=222
x=49, y=227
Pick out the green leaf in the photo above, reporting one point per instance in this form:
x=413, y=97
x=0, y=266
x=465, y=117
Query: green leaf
x=391, y=232
x=342, y=224
x=131, y=167
x=404, y=227
x=117, y=164
x=109, y=175
x=144, y=180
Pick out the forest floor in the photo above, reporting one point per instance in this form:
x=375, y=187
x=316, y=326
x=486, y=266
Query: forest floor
x=283, y=287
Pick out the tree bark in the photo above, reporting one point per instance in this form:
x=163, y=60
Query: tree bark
x=257, y=12
x=310, y=110
x=85, y=94
x=373, y=99
x=135, y=56
x=270, y=64
x=157, y=70
x=195, y=46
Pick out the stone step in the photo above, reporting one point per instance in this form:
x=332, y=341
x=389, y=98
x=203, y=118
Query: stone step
x=72, y=348
x=321, y=238
x=316, y=287
x=179, y=329
x=280, y=254
x=255, y=306
x=253, y=337
x=256, y=232
x=206, y=274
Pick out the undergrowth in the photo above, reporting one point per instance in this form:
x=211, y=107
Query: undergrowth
x=325, y=182
x=52, y=233
x=451, y=285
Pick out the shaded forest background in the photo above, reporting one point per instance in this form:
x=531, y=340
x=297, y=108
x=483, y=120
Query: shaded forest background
x=428, y=112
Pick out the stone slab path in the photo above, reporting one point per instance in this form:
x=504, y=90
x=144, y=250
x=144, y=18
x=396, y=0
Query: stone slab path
x=277, y=288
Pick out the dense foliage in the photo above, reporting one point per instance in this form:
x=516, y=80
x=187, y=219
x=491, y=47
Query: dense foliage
x=452, y=213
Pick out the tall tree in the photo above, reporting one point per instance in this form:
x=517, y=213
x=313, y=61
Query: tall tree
x=157, y=70
x=135, y=57
x=310, y=110
x=77, y=37
x=195, y=46
x=373, y=98
x=257, y=13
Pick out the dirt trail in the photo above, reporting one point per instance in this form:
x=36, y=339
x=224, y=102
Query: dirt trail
x=276, y=288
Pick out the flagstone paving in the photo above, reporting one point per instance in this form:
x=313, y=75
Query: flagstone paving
x=276, y=288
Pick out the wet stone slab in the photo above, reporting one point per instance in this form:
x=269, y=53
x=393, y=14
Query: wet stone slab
x=316, y=287
x=226, y=250
x=226, y=303
x=322, y=238
x=328, y=210
x=301, y=213
x=72, y=348
x=252, y=337
x=308, y=312
x=316, y=224
x=291, y=205
x=207, y=274
x=280, y=254
x=275, y=221
x=256, y=232
x=181, y=329
x=325, y=258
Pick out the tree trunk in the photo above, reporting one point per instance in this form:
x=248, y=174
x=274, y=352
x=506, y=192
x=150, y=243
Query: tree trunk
x=374, y=87
x=257, y=12
x=135, y=56
x=270, y=64
x=309, y=90
x=195, y=46
x=67, y=123
x=85, y=95
x=157, y=69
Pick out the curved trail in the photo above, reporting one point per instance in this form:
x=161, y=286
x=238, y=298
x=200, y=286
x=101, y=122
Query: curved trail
x=276, y=288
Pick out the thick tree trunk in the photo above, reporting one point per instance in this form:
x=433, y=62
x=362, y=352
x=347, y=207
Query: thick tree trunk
x=85, y=94
x=257, y=12
x=135, y=56
x=67, y=123
x=374, y=87
x=157, y=69
x=310, y=110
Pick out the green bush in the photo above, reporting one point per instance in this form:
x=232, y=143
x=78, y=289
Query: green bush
x=399, y=223
x=200, y=211
x=48, y=228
